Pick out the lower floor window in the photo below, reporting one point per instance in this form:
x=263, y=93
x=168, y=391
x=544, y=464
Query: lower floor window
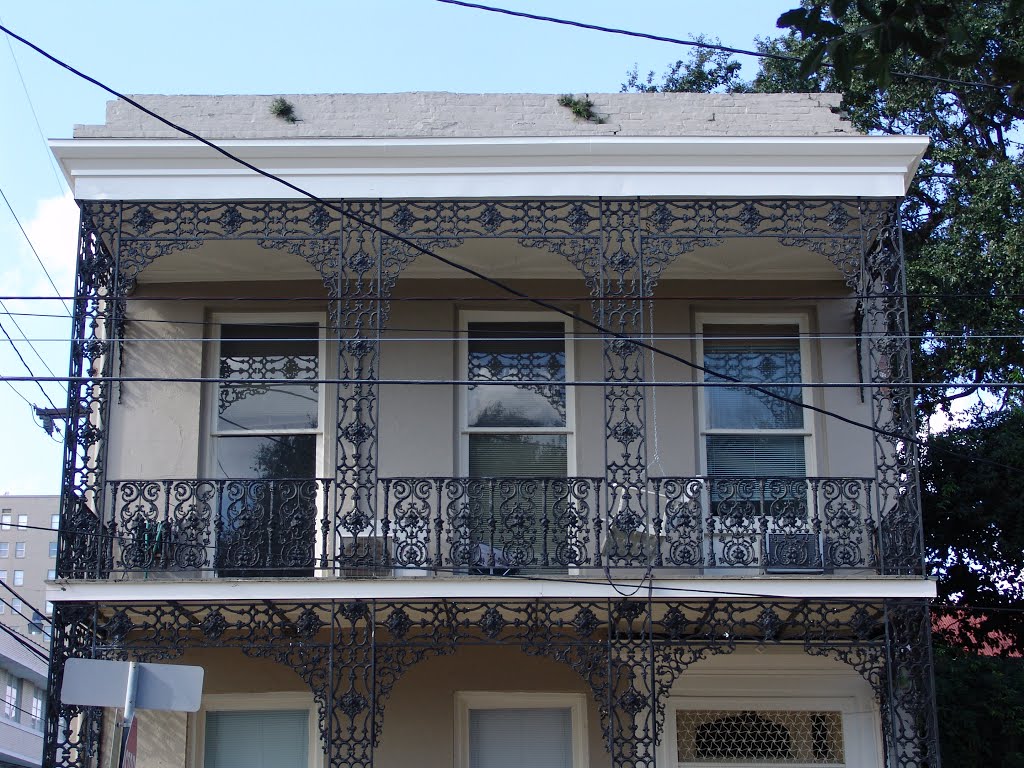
x=261, y=739
x=521, y=730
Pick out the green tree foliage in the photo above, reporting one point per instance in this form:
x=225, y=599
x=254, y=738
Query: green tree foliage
x=963, y=231
x=990, y=732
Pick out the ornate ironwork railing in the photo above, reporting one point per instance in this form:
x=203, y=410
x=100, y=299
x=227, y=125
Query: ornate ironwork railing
x=479, y=526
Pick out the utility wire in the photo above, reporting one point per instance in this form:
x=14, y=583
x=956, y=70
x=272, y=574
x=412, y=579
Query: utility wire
x=61, y=184
x=30, y=245
x=704, y=45
x=49, y=370
x=727, y=382
x=703, y=297
x=14, y=592
x=38, y=379
x=39, y=650
x=891, y=434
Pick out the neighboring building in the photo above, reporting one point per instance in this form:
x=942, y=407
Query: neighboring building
x=403, y=518
x=28, y=559
x=23, y=707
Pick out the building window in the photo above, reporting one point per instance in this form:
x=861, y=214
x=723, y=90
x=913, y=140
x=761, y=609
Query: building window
x=51, y=574
x=49, y=608
x=267, y=432
x=19, y=549
x=3, y=606
x=35, y=627
x=19, y=578
x=55, y=521
x=5, y=549
x=272, y=730
x=5, y=520
x=11, y=697
x=37, y=709
x=22, y=522
x=3, y=576
x=53, y=549
x=751, y=434
x=519, y=427
x=542, y=730
x=16, y=603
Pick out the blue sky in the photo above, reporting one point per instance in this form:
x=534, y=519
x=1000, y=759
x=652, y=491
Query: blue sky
x=271, y=47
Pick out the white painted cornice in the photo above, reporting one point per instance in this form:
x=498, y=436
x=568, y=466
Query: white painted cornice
x=498, y=588
x=569, y=166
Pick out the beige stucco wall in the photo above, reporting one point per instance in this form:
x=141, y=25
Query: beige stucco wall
x=157, y=429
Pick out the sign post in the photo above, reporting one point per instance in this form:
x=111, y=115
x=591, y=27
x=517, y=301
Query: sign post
x=131, y=685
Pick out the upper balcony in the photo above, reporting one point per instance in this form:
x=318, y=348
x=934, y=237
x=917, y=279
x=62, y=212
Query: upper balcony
x=515, y=347
x=399, y=422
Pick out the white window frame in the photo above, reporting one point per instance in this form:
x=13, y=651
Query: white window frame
x=19, y=578
x=22, y=522
x=860, y=724
x=263, y=318
x=802, y=321
x=20, y=548
x=5, y=549
x=5, y=520
x=257, y=702
x=576, y=703
x=322, y=455
x=569, y=430
x=55, y=521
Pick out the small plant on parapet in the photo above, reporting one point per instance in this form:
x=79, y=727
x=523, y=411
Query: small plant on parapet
x=284, y=109
x=581, y=108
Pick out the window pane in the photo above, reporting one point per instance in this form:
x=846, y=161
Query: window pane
x=533, y=353
x=517, y=456
x=256, y=739
x=520, y=738
x=756, y=354
x=269, y=458
x=756, y=456
x=287, y=351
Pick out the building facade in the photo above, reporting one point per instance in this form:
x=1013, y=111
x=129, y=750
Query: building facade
x=28, y=559
x=527, y=440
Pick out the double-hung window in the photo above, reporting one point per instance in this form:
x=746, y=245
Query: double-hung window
x=266, y=446
x=757, y=437
x=517, y=435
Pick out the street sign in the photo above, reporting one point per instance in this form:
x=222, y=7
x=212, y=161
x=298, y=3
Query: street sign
x=101, y=683
x=131, y=745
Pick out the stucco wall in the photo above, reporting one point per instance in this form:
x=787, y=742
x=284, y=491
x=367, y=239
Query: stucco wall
x=157, y=429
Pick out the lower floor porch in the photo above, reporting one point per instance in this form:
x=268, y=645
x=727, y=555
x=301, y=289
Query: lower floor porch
x=628, y=682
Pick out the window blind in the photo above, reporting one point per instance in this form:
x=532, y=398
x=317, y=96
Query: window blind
x=520, y=738
x=271, y=739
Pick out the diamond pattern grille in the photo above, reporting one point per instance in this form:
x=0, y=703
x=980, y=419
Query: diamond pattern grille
x=766, y=737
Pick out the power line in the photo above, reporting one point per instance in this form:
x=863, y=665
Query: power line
x=30, y=245
x=708, y=297
x=11, y=589
x=39, y=650
x=4, y=311
x=38, y=379
x=727, y=382
x=704, y=45
x=891, y=434
x=61, y=184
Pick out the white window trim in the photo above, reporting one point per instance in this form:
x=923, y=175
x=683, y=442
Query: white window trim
x=802, y=321
x=525, y=316
x=468, y=700
x=861, y=748
x=256, y=702
x=211, y=363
